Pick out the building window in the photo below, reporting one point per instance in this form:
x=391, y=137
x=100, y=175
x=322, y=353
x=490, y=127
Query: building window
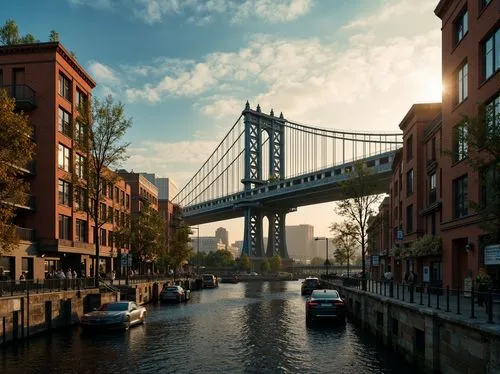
x=117, y=217
x=80, y=199
x=461, y=26
x=127, y=201
x=433, y=223
x=122, y=198
x=409, y=183
x=409, y=148
x=462, y=84
x=1, y=77
x=81, y=231
x=64, y=87
x=432, y=188
x=409, y=219
x=103, y=238
x=81, y=99
x=433, y=149
x=492, y=116
x=117, y=195
x=110, y=214
x=110, y=238
x=460, y=199
x=64, y=192
x=80, y=166
x=122, y=218
x=489, y=178
x=80, y=132
x=102, y=212
x=63, y=157
x=461, y=146
x=491, y=54
x=64, y=227
x=64, y=122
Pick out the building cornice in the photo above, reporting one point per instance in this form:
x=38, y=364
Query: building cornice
x=54, y=47
x=442, y=6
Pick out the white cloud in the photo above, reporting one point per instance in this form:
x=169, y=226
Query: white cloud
x=103, y=74
x=202, y=11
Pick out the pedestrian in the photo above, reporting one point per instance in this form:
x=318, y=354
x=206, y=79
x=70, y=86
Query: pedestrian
x=411, y=278
x=74, y=274
x=69, y=274
x=483, y=281
x=22, y=277
x=113, y=276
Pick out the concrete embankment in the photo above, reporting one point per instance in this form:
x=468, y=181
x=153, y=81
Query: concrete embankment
x=434, y=341
x=25, y=315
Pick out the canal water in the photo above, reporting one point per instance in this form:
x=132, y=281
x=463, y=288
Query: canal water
x=236, y=328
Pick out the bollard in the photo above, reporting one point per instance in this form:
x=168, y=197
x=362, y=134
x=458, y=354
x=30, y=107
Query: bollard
x=447, y=298
x=458, y=301
x=472, y=302
x=490, y=306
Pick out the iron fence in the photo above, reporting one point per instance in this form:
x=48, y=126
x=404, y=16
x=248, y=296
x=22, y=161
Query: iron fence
x=22, y=287
x=464, y=303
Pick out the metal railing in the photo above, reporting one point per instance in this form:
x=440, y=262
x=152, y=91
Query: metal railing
x=24, y=233
x=23, y=287
x=467, y=303
x=22, y=93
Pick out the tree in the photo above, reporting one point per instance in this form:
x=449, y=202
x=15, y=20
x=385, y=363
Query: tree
x=54, y=36
x=244, y=262
x=358, y=205
x=275, y=263
x=147, y=236
x=318, y=261
x=106, y=125
x=481, y=137
x=16, y=150
x=179, y=249
x=265, y=266
x=345, y=243
x=9, y=34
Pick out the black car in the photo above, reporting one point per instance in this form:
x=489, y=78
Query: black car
x=309, y=285
x=325, y=304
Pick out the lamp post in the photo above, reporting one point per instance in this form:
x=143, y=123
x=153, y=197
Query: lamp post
x=327, y=262
x=197, y=228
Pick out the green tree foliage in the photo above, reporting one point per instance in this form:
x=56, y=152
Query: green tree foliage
x=482, y=136
x=10, y=35
x=265, y=266
x=147, y=235
x=220, y=258
x=179, y=248
x=275, y=263
x=345, y=243
x=106, y=125
x=317, y=261
x=54, y=36
x=16, y=150
x=357, y=205
x=244, y=262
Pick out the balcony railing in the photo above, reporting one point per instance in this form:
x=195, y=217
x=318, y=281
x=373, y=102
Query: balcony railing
x=24, y=95
x=25, y=234
x=27, y=203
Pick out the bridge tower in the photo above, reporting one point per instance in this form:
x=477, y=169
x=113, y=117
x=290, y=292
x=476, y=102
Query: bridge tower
x=256, y=123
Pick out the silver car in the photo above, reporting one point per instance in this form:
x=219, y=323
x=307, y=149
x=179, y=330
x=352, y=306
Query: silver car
x=120, y=314
x=174, y=294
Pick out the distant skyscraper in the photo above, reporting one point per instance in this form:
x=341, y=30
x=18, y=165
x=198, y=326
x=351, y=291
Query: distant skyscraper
x=222, y=235
x=300, y=242
x=167, y=189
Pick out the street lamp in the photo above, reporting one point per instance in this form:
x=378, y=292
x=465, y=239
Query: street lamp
x=197, y=228
x=327, y=262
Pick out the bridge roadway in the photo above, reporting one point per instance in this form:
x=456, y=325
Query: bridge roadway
x=256, y=327
x=287, y=195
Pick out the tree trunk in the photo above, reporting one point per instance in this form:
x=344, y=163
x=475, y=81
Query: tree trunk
x=363, y=266
x=96, y=241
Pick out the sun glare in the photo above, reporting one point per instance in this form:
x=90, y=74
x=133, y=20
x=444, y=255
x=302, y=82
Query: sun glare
x=433, y=91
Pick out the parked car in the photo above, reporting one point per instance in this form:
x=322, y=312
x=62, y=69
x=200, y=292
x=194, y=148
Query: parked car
x=209, y=281
x=229, y=279
x=309, y=285
x=120, y=314
x=174, y=294
x=253, y=274
x=325, y=304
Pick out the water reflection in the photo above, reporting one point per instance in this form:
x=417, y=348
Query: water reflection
x=241, y=328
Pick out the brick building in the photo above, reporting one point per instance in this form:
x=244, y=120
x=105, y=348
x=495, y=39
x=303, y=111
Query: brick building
x=470, y=65
x=49, y=85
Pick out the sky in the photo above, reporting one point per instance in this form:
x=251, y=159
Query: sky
x=185, y=68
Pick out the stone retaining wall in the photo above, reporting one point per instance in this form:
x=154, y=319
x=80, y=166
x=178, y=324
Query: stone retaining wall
x=27, y=315
x=433, y=341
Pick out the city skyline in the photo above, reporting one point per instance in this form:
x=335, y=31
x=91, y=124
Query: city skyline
x=316, y=63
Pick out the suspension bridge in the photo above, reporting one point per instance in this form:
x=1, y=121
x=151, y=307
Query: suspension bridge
x=268, y=166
